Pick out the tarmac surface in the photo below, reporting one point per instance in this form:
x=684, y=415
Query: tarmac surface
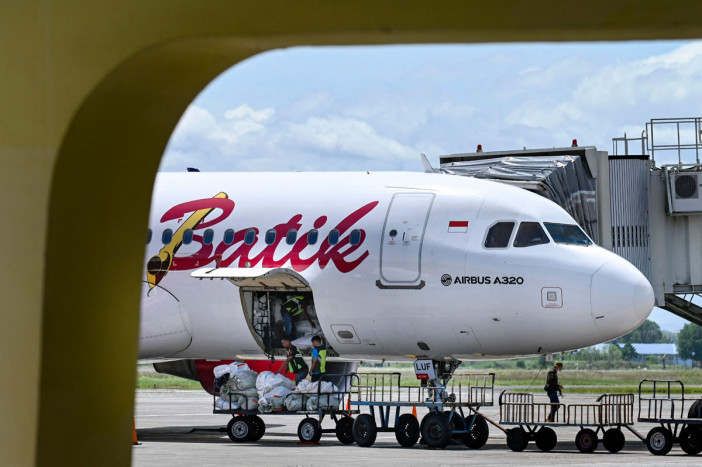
x=178, y=428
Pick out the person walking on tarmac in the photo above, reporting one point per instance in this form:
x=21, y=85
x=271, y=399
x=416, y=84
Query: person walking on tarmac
x=294, y=363
x=318, y=368
x=553, y=389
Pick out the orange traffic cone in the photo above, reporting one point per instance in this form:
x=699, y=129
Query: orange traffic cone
x=134, y=436
x=414, y=411
x=348, y=406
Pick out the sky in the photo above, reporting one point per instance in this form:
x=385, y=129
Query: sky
x=380, y=107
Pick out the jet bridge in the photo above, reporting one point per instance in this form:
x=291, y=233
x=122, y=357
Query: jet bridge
x=643, y=201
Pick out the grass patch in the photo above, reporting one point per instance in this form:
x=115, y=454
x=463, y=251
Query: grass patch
x=161, y=381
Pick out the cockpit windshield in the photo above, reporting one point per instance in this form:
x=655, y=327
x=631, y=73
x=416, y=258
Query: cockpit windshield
x=567, y=234
x=530, y=234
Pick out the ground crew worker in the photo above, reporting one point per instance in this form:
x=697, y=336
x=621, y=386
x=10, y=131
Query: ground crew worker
x=553, y=389
x=291, y=309
x=294, y=363
x=318, y=368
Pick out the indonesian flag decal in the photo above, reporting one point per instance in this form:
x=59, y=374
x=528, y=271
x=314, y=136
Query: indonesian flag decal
x=458, y=226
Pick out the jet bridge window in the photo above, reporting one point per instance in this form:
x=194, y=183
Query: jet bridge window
x=568, y=234
x=499, y=234
x=530, y=234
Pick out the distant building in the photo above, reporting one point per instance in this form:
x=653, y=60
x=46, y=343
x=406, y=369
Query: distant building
x=643, y=351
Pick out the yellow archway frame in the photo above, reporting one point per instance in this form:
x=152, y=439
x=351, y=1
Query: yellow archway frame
x=94, y=91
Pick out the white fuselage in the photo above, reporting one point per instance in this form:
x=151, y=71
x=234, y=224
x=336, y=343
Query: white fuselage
x=419, y=280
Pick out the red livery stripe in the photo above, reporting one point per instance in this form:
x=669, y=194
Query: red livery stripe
x=458, y=224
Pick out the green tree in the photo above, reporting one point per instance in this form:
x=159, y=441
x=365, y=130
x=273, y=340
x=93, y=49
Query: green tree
x=648, y=333
x=690, y=342
x=629, y=352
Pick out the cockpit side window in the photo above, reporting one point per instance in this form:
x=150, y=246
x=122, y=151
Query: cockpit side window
x=530, y=234
x=567, y=234
x=499, y=234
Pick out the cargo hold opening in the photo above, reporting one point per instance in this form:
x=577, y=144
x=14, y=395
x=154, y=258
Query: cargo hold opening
x=276, y=302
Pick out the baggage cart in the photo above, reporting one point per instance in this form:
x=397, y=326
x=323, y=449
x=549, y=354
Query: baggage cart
x=607, y=416
x=663, y=402
x=452, y=409
x=248, y=426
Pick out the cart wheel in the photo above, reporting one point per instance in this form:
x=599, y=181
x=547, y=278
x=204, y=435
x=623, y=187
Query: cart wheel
x=240, y=429
x=586, y=440
x=517, y=439
x=546, y=439
x=259, y=427
x=659, y=441
x=613, y=440
x=695, y=409
x=479, y=432
x=344, y=430
x=364, y=430
x=309, y=430
x=436, y=430
x=407, y=430
x=691, y=439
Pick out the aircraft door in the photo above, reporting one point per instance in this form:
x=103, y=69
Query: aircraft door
x=401, y=244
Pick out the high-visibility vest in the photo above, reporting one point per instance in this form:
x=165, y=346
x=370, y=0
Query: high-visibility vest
x=297, y=363
x=322, y=364
x=294, y=305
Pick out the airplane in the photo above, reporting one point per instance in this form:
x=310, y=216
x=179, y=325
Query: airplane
x=401, y=266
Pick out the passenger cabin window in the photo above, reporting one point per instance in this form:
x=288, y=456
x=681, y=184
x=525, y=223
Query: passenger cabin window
x=567, y=234
x=208, y=236
x=499, y=234
x=149, y=234
x=355, y=237
x=167, y=236
x=228, y=236
x=530, y=234
x=250, y=236
x=334, y=237
x=188, y=236
x=312, y=236
x=291, y=237
x=270, y=237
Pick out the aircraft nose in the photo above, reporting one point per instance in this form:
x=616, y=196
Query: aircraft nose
x=621, y=298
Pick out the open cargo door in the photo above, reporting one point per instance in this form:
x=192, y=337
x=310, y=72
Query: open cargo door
x=276, y=302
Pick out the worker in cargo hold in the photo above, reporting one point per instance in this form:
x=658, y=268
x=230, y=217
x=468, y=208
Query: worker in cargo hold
x=553, y=389
x=292, y=310
x=294, y=363
x=318, y=368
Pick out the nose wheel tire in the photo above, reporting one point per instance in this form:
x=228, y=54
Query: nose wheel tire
x=240, y=429
x=546, y=439
x=659, y=441
x=586, y=440
x=436, y=430
x=309, y=430
x=407, y=430
x=479, y=432
x=517, y=439
x=613, y=440
x=364, y=430
x=344, y=430
x=691, y=439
